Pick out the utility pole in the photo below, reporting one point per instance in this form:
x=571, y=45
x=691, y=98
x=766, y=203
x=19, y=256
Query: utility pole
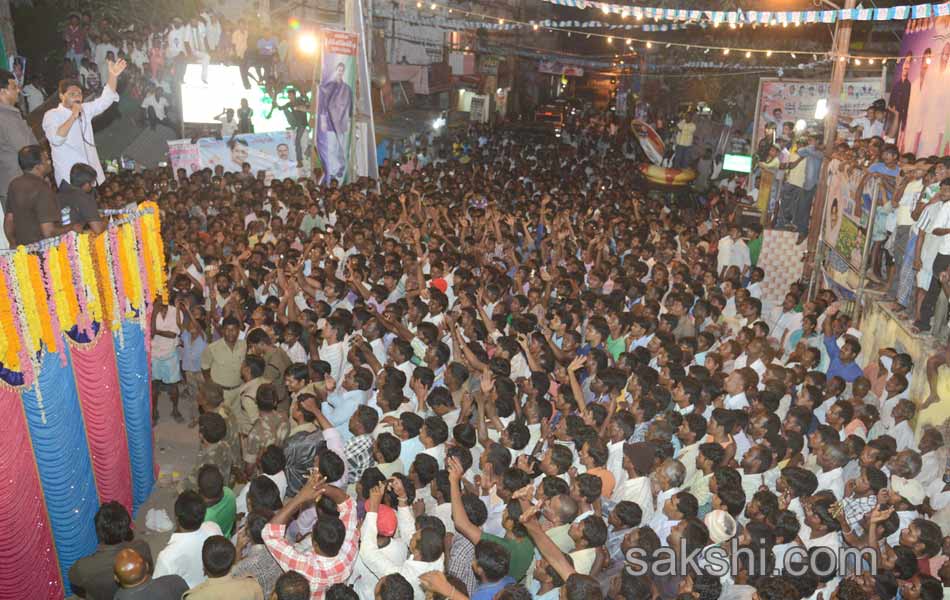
x=839, y=51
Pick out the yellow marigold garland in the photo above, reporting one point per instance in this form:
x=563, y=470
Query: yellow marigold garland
x=154, y=249
x=66, y=283
x=104, y=280
x=130, y=270
x=47, y=334
x=32, y=328
x=9, y=341
x=89, y=278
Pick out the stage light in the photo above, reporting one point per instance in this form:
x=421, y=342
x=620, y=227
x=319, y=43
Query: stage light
x=294, y=23
x=769, y=53
x=308, y=44
x=800, y=125
x=748, y=54
x=535, y=27
x=438, y=124
x=821, y=109
x=432, y=6
x=725, y=52
x=610, y=40
x=605, y=8
x=649, y=45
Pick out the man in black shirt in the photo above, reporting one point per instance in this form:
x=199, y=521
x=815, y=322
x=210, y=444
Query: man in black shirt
x=79, y=197
x=136, y=583
x=297, y=112
x=92, y=576
x=32, y=211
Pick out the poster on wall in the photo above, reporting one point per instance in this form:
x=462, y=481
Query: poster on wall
x=921, y=90
x=782, y=100
x=269, y=152
x=848, y=211
x=335, y=104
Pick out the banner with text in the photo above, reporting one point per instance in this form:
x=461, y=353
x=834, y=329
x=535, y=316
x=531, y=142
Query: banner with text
x=788, y=100
x=269, y=152
x=335, y=104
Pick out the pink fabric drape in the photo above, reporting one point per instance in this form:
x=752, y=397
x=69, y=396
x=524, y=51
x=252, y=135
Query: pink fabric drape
x=28, y=562
x=97, y=383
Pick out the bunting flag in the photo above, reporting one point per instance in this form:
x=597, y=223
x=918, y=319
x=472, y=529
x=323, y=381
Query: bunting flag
x=893, y=13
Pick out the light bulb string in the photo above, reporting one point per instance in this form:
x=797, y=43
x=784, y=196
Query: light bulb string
x=512, y=24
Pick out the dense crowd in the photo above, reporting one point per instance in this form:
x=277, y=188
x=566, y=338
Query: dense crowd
x=513, y=373
x=158, y=55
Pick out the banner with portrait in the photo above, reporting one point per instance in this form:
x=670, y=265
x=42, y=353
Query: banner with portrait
x=921, y=90
x=845, y=220
x=790, y=100
x=335, y=100
x=270, y=152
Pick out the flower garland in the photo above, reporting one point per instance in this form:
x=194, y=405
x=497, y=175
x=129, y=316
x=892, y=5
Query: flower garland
x=131, y=274
x=66, y=283
x=154, y=248
x=32, y=327
x=148, y=292
x=87, y=274
x=130, y=254
x=9, y=340
x=114, y=273
x=47, y=333
x=27, y=352
x=75, y=272
x=120, y=270
x=104, y=279
x=52, y=293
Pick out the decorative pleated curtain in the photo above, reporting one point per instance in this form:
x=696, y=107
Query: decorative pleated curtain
x=79, y=437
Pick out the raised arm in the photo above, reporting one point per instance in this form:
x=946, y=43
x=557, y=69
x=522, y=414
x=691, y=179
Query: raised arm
x=462, y=523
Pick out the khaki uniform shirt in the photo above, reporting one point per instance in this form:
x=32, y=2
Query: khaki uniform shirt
x=231, y=588
x=224, y=362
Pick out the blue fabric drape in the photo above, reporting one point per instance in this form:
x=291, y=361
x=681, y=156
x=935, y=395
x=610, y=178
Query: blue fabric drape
x=132, y=361
x=63, y=461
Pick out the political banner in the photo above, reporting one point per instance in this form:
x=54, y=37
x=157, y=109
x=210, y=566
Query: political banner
x=182, y=154
x=921, y=90
x=269, y=152
x=790, y=100
x=335, y=104
x=553, y=67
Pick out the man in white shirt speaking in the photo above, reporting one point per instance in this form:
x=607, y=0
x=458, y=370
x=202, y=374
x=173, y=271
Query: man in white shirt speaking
x=68, y=127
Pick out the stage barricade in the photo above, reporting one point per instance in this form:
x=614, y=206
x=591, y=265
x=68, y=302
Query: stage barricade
x=74, y=392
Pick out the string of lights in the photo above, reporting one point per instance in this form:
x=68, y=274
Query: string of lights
x=647, y=44
x=796, y=17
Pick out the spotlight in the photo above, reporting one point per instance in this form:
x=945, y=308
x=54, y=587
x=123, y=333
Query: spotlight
x=307, y=44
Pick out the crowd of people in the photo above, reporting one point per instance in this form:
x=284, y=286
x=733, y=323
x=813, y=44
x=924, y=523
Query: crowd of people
x=511, y=372
x=158, y=56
